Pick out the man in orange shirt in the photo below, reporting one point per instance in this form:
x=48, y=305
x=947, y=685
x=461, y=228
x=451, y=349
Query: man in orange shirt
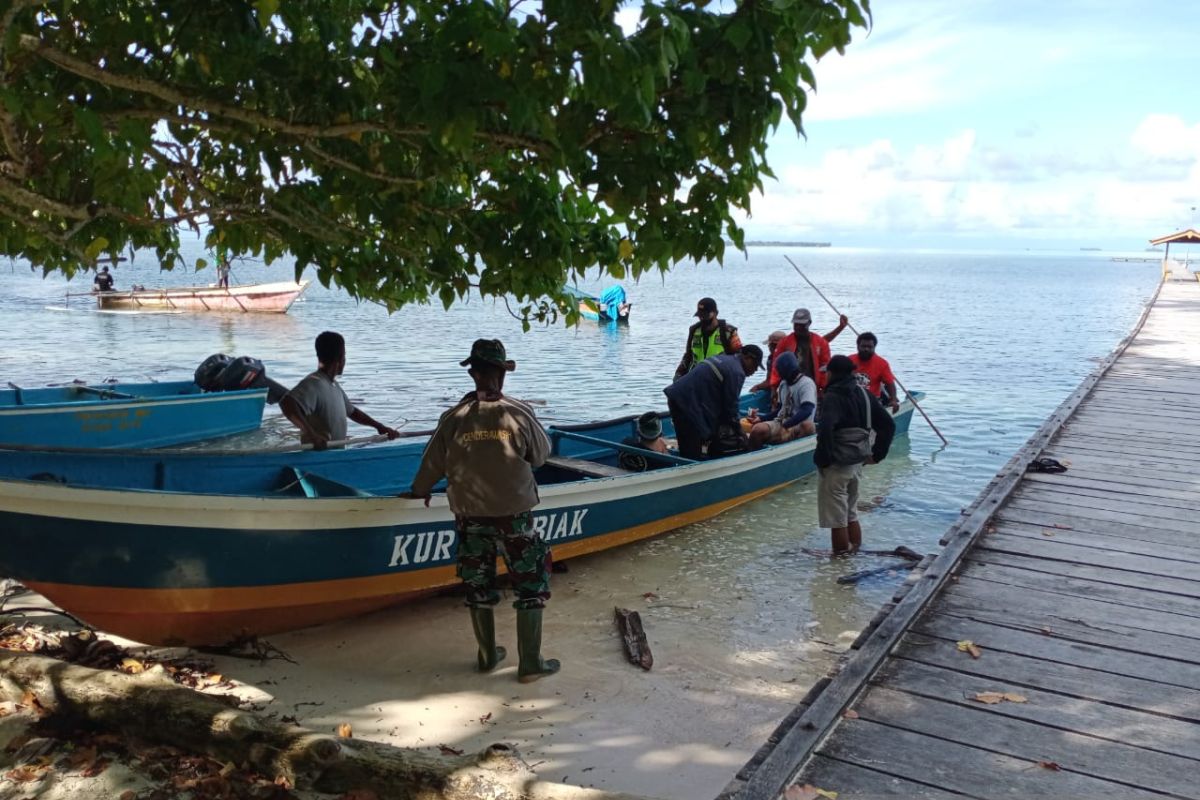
x=811, y=348
x=874, y=373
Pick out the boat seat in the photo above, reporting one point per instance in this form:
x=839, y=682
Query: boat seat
x=314, y=485
x=592, y=469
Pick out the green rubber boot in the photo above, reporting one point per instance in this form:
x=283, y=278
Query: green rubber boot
x=483, y=620
x=529, y=647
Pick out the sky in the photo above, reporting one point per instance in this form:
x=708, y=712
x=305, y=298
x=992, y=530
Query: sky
x=997, y=124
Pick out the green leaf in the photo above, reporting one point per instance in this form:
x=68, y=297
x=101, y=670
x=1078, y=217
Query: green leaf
x=95, y=248
x=266, y=10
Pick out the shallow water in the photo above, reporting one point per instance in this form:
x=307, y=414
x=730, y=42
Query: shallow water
x=995, y=340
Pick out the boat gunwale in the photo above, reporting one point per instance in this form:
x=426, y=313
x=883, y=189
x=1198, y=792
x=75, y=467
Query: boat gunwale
x=114, y=404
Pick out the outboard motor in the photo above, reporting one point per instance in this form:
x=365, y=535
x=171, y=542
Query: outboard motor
x=209, y=369
x=220, y=373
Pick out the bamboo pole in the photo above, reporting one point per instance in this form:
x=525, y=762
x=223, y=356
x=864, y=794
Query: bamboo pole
x=916, y=405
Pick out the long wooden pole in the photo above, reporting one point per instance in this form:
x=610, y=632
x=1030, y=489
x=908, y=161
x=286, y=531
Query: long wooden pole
x=916, y=405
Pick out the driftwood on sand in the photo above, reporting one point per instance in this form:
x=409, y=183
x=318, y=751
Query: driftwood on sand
x=633, y=637
x=152, y=707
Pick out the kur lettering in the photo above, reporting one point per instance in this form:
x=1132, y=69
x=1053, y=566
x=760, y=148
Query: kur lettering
x=419, y=548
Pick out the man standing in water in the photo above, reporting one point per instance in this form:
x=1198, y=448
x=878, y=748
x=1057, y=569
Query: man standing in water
x=854, y=429
x=487, y=448
x=318, y=405
x=708, y=337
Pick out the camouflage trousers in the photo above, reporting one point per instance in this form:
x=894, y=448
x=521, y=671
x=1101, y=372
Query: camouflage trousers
x=526, y=556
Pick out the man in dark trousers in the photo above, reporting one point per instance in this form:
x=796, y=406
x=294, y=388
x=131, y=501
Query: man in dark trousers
x=705, y=400
x=708, y=337
x=487, y=448
x=851, y=417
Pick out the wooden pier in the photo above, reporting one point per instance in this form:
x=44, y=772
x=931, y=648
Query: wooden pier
x=1052, y=649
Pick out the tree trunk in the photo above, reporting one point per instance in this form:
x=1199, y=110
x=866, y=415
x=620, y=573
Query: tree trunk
x=151, y=707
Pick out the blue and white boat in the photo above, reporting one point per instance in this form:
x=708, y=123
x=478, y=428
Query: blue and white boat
x=203, y=548
x=124, y=414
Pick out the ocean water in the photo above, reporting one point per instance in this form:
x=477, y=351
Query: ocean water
x=995, y=340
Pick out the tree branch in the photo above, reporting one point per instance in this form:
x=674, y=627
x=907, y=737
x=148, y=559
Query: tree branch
x=329, y=158
x=32, y=200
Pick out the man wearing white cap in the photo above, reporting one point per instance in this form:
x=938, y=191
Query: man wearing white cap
x=811, y=348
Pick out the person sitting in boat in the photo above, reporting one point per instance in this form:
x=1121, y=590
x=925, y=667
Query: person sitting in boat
x=772, y=344
x=708, y=337
x=103, y=282
x=487, y=448
x=318, y=405
x=874, y=372
x=794, y=409
x=704, y=403
x=649, y=437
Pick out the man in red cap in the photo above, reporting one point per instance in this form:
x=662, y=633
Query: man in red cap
x=708, y=337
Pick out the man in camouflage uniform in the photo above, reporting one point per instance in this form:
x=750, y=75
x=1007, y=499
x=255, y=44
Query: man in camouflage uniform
x=487, y=447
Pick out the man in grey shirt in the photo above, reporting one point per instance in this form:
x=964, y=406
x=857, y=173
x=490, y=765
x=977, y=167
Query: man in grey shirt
x=318, y=406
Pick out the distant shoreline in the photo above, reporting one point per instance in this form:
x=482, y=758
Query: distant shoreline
x=787, y=244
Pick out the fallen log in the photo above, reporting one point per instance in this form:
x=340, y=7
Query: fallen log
x=855, y=577
x=633, y=637
x=151, y=707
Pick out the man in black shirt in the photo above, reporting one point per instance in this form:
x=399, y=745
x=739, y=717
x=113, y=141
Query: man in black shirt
x=103, y=281
x=850, y=417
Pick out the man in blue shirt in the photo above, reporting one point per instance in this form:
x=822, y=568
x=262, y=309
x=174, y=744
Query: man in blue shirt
x=705, y=400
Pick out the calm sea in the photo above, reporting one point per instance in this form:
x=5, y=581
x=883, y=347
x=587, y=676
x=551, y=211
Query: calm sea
x=995, y=340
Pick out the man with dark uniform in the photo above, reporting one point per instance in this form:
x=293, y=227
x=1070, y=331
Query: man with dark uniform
x=103, y=282
x=487, y=448
x=708, y=337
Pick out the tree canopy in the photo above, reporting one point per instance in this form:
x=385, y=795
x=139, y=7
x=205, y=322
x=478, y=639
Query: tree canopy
x=405, y=150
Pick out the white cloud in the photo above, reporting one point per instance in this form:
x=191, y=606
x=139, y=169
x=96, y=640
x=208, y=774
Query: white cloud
x=963, y=186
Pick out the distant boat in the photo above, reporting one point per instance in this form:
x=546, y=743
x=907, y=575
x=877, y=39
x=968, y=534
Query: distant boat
x=124, y=415
x=259, y=298
x=611, y=306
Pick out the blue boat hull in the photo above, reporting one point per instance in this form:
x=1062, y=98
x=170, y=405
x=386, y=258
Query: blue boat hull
x=176, y=566
x=125, y=415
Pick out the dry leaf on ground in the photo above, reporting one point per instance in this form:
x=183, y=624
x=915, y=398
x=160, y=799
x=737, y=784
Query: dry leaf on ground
x=1047, y=533
x=1050, y=765
x=27, y=772
x=991, y=698
x=132, y=666
x=447, y=750
x=808, y=792
x=967, y=646
x=850, y=714
x=344, y=731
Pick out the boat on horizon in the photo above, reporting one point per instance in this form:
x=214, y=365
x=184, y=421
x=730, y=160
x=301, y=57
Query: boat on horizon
x=197, y=547
x=125, y=415
x=257, y=298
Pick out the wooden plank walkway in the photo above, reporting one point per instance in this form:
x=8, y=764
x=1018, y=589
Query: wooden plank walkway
x=1081, y=591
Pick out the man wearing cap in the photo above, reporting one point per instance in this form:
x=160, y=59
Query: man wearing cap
x=704, y=402
x=708, y=337
x=792, y=411
x=318, y=405
x=849, y=415
x=649, y=437
x=772, y=343
x=487, y=448
x=811, y=348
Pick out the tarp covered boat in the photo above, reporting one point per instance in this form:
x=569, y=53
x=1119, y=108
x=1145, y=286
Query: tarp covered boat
x=125, y=414
x=202, y=548
x=262, y=298
x=611, y=306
